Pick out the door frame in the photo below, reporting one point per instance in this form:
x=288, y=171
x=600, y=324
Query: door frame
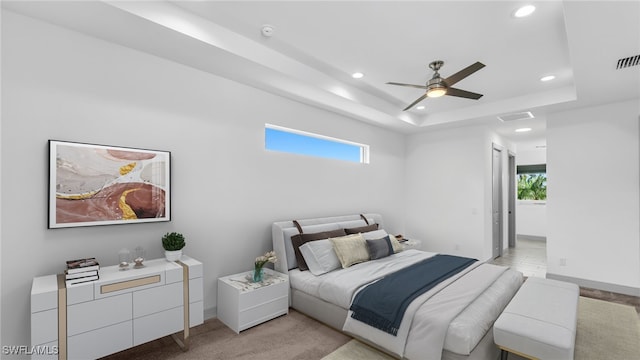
x=497, y=204
x=511, y=210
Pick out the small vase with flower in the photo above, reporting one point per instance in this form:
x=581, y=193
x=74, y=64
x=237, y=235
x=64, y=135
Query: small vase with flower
x=258, y=271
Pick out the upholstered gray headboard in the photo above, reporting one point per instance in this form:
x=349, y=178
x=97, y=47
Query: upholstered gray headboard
x=283, y=230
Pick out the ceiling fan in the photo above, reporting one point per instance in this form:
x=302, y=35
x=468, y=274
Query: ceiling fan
x=438, y=86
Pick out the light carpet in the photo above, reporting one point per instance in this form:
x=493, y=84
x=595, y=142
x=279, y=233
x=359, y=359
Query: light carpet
x=605, y=331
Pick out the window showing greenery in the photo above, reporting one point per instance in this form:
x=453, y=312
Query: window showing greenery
x=532, y=182
x=279, y=138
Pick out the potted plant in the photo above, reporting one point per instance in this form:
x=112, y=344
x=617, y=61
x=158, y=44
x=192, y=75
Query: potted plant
x=173, y=243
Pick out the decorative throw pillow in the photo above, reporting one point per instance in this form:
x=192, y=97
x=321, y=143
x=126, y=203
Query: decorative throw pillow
x=379, y=248
x=351, y=249
x=320, y=256
x=299, y=239
x=372, y=235
x=397, y=247
x=361, y=229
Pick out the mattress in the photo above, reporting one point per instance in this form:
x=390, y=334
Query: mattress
x=464, y=332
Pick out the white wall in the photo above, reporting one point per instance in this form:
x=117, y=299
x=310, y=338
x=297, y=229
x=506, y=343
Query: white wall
x=593, y=216
x=226, y=189
x=531, y=157
x=531, y=218
x=448, y=186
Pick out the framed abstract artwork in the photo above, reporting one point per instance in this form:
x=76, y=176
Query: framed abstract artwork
x=103, y=185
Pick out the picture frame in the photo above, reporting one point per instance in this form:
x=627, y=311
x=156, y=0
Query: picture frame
x=92, y=184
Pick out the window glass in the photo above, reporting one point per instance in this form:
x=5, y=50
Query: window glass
x=532, y=182
x=299, y=142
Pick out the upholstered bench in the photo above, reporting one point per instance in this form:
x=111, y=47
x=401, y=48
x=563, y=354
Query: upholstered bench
x=540, y=321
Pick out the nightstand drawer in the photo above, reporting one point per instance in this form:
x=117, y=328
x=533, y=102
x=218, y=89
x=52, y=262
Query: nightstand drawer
x=259, y=296
x=263, y=312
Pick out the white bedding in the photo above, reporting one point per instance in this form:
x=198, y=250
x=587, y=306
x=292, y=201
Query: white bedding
x=338, y=287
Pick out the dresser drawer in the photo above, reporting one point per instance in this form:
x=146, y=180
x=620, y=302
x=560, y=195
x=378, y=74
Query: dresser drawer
x=99, y=313
x=157, y=325
x=157, y=299
x=44, y=327
x=100, y=342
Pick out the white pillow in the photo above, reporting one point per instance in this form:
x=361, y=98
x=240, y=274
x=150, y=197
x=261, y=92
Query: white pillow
x=379, y=234
x=376, y=234
x=320, y=256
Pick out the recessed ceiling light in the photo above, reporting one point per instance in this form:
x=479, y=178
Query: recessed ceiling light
x=421, y=107
x=523, y=129
x=524, y=11
x=357, y=75
x=547, y=78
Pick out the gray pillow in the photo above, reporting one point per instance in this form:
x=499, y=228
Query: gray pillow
x=379, y=248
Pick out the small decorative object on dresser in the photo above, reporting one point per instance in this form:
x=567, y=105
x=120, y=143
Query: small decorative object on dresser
x=81, y=271
x=173, y=243
x=258, y=269
x=124, y=258
x=139, y=254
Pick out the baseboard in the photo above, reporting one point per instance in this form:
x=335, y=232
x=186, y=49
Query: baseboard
x=619, y=289
x=531, y=237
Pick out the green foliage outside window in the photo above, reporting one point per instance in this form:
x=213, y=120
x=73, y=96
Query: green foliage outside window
x=532, y=187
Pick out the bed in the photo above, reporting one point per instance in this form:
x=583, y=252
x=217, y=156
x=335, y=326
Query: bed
x=451, y=321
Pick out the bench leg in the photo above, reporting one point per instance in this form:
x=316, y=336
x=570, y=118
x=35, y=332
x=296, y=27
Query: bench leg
x=503, y=354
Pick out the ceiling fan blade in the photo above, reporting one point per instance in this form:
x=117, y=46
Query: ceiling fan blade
x=409, y=85
x=463, y=73
x=463, y=93
x=415, y=102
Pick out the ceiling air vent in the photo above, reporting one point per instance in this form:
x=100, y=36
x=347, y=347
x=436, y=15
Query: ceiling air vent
x=516, y=116
x=628, y=62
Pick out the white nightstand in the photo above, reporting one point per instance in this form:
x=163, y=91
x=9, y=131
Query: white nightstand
x=412, y=244
x=243, y=304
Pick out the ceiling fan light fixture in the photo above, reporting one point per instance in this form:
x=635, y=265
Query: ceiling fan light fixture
x=547, y=78
x=436, y=91
x=357, y=75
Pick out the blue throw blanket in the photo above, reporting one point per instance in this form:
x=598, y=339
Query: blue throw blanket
x=383, y=303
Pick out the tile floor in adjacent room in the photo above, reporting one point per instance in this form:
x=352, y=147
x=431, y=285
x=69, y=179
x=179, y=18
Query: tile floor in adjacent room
x=530, y=258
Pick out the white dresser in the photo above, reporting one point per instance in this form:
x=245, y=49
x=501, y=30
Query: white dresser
x=120, y=310
x=243, y=304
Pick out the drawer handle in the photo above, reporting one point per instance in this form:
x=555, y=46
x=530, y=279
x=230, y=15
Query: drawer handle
x=123, y=285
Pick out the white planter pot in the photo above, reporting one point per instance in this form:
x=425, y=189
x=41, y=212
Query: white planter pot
x=173, y=255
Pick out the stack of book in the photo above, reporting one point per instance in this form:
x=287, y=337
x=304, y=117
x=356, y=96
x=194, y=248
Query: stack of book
x=81, y=271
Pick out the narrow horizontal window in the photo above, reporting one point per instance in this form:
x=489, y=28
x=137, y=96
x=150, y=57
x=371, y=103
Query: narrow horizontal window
x=279, y=138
